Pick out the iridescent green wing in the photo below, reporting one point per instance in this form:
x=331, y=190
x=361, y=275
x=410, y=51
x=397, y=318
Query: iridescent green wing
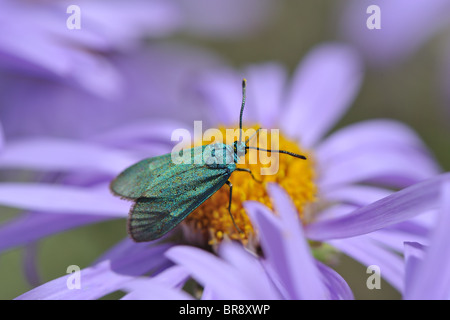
x=151, y=218
x=142, y=179
x=165, y=193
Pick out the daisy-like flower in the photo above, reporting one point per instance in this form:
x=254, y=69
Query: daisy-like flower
x=288, y=270
x=87, y=75
x=348, y=170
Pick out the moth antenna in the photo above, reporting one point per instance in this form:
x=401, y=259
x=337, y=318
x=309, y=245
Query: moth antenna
x=244, y=84
x=252, y=136
x=279, y=151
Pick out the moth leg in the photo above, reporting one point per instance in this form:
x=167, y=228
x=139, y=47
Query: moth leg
x=251, y=173
x=229, y=207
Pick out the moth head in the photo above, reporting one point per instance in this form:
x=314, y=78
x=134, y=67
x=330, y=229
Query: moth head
x=239, y=149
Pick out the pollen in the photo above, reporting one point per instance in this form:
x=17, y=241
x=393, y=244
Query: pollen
x=211, y=222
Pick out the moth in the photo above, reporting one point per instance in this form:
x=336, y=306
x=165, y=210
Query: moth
x=165, y=193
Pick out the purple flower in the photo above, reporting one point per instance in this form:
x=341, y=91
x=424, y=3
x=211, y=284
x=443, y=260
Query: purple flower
x=405, y=26
x=356, y=210
x=87, y=75
x=287, y=271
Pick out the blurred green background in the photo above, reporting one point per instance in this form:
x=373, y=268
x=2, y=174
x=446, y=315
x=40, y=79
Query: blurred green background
x=408, y=92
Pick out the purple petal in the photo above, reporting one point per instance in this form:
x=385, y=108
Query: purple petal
x=53, y=198
x=222, y=90
x=369, y=253
x=72, y=55
x=339, y=289
x=335, y=211
x=164, y=286
x=387, y=165
x=414, y=256
x=388, y=211
x=372, y=133
x=153, y=290
x=53, y=108
x=249, y=267
x=34, y=226
x=355, y=194
x=324, y=86
x=150, y=131
x=224, y=279
x=398, y=37
x=432, y=278
x=286, y=249
x=394, y=239
x=103, y=278
x=296, y=247
x=64, y=155
x=265, y=91
x=175, y=276
x=265, y=88
x=226, y=18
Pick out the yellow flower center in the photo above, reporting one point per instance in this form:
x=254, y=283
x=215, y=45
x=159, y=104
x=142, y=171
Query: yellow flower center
x=211, y=220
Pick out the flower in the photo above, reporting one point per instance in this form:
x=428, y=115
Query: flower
x=346, y=214
x=87, y=75
x=405, y=27
x=287, y=271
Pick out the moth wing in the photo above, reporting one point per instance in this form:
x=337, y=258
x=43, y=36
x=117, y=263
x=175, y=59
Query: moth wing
x=147, y=177
x=135, y=180
x=152, y=217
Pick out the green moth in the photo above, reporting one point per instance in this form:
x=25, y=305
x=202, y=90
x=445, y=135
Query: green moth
x=165, y=192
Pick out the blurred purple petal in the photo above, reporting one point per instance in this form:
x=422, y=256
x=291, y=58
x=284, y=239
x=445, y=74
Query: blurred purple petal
x=226, y=18
x=369, y=253
x=222, y=90
x=164, y=286
x=60, y=199
x=324, y=86
x=103, y=278
x=149, y=131
x=148, y=73
x=338, y=288
x=432, y=277
x=64, y=155
x=153, y=290
x=414, y=256
x=395, y=208
x=405, y=25
x=380, y=151
x=372, y=133
x=72, y=55
x=265, y=92
x=34, y=226
x=387, y=165
x=224, y=279
x=394, y=239
x=174, y=276
x=249, y=266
